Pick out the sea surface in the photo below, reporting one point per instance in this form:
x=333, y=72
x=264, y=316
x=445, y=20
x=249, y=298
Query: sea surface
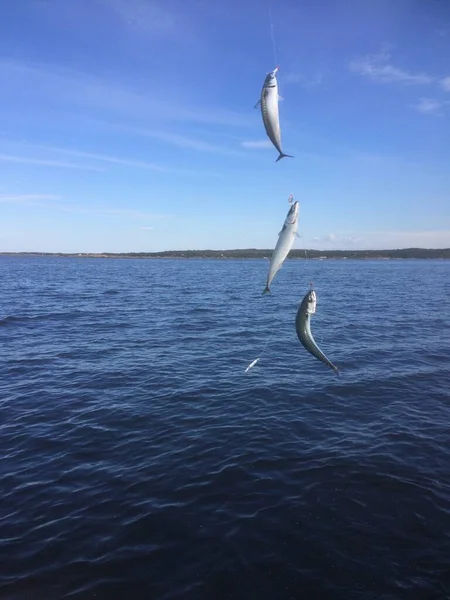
x=140, y=461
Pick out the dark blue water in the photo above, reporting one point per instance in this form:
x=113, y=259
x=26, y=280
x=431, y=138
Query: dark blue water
x=138, y=460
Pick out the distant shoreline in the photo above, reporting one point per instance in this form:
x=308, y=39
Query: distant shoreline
x=252, y=253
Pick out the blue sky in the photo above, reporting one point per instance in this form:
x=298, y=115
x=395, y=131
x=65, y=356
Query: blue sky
x=128, y=125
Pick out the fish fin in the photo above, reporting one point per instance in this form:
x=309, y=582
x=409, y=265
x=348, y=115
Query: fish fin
x=298, y=235
x=336, y=370
x=266, y=290
x=283, y=156
x=257, y=104
x=284, y=227
x=280, y=97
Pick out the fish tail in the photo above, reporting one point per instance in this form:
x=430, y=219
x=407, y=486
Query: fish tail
x=284, y=156
x=267, y=290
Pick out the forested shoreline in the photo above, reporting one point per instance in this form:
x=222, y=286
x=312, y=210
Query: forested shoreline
x=406, y=253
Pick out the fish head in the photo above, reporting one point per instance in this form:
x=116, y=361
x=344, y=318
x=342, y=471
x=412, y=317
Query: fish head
x=293, y=213
x=271, y=78
x=312, y=302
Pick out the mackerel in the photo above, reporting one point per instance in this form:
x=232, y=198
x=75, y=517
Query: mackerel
x=284, y=244
x=269, y=110
x=303, y=329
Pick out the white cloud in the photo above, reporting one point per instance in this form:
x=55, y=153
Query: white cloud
x=48, y=201
x=429, y=106
x=175, y=139
x=126, y=162
x=258, y=144
x=445, y=83
x=337, y=240
x=442, y=32
x=107, y=158
x=26, y=198
x=114, y=212
x=378, y=68
x=129, y=22
x=150, y=17
x=381, y=240
x=411, y=239
x=186, y=142
x=42, y=162
x=307, y=82
x=71, y=89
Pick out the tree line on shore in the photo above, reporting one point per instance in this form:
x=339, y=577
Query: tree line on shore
x=257, y=253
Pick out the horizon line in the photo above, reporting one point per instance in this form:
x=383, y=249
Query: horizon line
x=293, y=250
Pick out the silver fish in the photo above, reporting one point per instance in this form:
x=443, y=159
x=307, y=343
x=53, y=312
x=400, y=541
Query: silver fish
x=303, y=329
x=284, y=244
x=252, y=364
x=269, y=110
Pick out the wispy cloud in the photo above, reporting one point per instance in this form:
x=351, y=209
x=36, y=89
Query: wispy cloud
x=445, y=83
x=71, y=89
x=92, y=156
x=150, y=17
x=378, y=68
x=430, y=106
x=405, y=239
x=175, y=139
x=337, y=239
x=26, y=198
x=59, y=203
x=303, y=80
x=114, y=212
x=442, y=32
x=382, y=240
x=257, y=144
x=42, y=162
x=107, y=158
x=182, y=141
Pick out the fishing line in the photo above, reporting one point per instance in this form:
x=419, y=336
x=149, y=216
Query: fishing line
x=273, y=35
x=275, y=55
x=311, y=283
x=274, y=45
x=253, y=363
